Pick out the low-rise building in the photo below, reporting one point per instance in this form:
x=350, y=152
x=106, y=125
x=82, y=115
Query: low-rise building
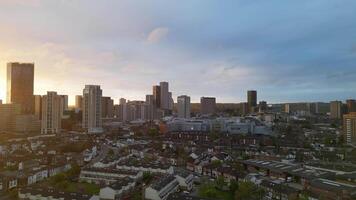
x=116, y=190
x=184, y=178
x=278, y=190
x=107, y=176
x=162, y=188
x=50, y=193
x=327, y=189
x=153, y=168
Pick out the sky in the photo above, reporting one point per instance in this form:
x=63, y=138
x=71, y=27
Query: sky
x=289, y=51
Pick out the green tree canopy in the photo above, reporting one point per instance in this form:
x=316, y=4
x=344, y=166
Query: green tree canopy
x=249, y=191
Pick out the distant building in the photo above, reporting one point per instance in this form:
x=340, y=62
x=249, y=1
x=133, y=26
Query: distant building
x=92, y=120
x=207, y=105
x=244, y=109
x=191, y=125
x=20, y=85
x=122, y=101
x=234, y=125
x=336, y=109
x=135, y=110
x=170, y=102
x=163, y=99
x=8, y=114
x=349, y=127
x=322, y=108
x=262, y=106
x=79, y=102
x=183, y=106
x=64, y=102
x=52, y=108
x=116, y=110
x=27, y=123
x=252, y=99
x=305, y=108
x=164, y=95
x=351, y=105
x=122, y=110
x=107, y=107
x=157, y=95
x=38, y=106
x=150, y=109
x=150, y=99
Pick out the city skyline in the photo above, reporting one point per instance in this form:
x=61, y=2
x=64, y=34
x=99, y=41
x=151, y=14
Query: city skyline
x=72, y=97
x=129, y=46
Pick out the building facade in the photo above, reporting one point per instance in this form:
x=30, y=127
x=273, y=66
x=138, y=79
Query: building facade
x=38, y=106
x=8, y=114
x=107, y=107
x=164, y=95
x=335, y=109
x=92, y=120
x=157, y=95
x=64, y=102
x=20, y=78
x=79, y=102
x=349, y=126
x=252, y=99
x=183, y=106
x=52, y=110
x=351, y=105
x=207, y=105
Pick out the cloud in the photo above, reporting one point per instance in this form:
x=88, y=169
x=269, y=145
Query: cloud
x=157, y=34
x=353, y=49
x=216, y=50
x=32, y=3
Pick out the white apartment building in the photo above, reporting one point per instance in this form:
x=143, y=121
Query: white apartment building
x=183, y=106
x=51, y=113
x=92, y=116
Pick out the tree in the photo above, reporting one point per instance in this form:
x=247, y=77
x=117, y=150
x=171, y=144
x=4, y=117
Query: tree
x=58, y=178
x=214, y=135
x=341, y=140
x=289, y=129
x=249, y=191
x=13, y=194
x=147, y=177
x=303, y=196
x=216, y=163
x=153, y=132
x=111, y=152
x=207, y=190
x=234, y=186
x=220, y=182
x=74, y=171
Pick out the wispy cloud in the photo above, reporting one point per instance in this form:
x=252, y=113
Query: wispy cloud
x=31, y=3
x=157, y=34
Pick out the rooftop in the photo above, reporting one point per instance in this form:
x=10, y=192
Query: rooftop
x=162, y=182
x=46, y=192
x=333, y=185
x=292, y=169
x=121, y=183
